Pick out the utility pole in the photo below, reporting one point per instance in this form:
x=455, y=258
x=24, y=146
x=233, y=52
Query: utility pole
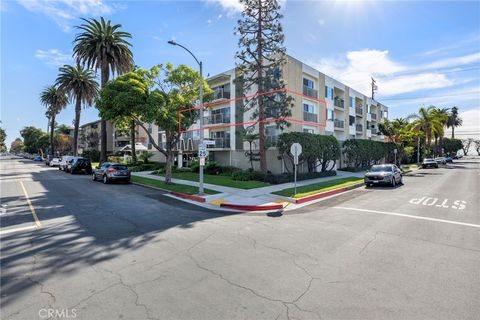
x=374, y=88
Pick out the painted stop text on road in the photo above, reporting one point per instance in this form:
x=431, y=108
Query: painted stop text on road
x=439, y=203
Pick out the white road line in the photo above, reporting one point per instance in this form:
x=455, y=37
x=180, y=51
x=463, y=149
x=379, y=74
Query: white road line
x=3, y=232
x=412, y=217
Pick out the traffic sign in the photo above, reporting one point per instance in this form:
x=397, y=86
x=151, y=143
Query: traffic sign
x=202, y=150
x=296, y=151
x=209, y=142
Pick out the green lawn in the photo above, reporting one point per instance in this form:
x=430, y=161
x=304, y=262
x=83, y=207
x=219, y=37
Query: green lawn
x=225, y=181
x=310, y=189
x=170, y=187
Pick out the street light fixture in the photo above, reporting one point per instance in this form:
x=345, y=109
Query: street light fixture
x=174, y=43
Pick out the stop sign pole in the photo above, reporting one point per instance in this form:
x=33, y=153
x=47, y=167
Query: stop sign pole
x=296, y=151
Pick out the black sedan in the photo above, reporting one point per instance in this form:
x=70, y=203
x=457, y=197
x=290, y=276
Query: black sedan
x=388, y=174
x=111, y=171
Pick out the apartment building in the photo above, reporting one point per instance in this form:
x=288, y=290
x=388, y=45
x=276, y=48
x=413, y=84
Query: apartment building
x=89, y=136
x=321, y=105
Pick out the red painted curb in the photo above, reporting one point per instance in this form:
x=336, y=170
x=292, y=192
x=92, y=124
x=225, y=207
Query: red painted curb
x=252, y=207
x=326, y=193
x=188, y=196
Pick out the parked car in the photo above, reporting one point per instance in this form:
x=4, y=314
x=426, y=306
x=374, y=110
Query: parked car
x=111, y=171
x=64, y=162
x=37, y=158
x=48, y=159
x=55, y=162
x=388, y=174
x=449, y=159
x=429, y=163
x=441, y=160
x=79, y=165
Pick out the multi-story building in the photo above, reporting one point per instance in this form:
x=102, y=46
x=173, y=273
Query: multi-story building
x=321, y=105
x=89, y=136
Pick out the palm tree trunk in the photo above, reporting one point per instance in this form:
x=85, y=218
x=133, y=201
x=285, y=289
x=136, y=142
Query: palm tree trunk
x=103, y=123
x=453, y=132
x=52, y=128
x=78, y=108
x=132, y=141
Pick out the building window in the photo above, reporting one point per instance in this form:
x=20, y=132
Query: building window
x=149, y=147
x=331, y=93
x=308, y=108
x=351, y=120
x=352, y=103
x=326, y=92
x=308, y=83
x=330, y=115
x=222, y=92
x=307, y=130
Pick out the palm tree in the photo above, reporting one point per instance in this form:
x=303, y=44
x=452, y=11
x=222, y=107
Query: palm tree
x=427, y=122
x=454, y=120
x=101, y=46
x=55, y=100
x=81, y=86
x=442, y=115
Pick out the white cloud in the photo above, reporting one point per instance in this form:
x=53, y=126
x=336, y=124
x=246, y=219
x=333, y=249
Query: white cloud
x=53, y=57
x=231, y=6
x=356, y=68
x=470, y=127
x=63, y=11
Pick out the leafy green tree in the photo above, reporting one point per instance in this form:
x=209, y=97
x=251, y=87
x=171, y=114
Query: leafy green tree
x=55, y=100
x=17, y=146
x=63, y=129
x=35, y=140
x=454, y=120
x=428, y=122
x=451, y=146
x=123, y=100
x=103, y=46
x=3, y=136
x=260, y=57
x=81, y=86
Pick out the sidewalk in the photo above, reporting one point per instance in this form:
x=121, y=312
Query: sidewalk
x=256, y=197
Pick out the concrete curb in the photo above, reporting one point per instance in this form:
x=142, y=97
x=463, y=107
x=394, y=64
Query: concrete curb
x=326, y=193
x=247, y=207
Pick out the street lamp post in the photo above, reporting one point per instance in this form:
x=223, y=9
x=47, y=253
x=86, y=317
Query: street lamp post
x=174, y=43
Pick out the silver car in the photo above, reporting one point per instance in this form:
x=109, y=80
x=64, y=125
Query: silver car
x=388, y=174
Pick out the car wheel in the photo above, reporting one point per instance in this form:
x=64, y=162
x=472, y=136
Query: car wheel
x=394, y=182
x=94, y=177
x=105, y=180
x=401, y=181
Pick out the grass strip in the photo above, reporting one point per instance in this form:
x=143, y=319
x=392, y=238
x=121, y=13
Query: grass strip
x=220, y=180
x=314, y=188
x=170, y=187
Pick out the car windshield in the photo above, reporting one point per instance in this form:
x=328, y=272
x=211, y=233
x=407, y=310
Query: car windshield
x=119, y=167
x=381, y=168
x=427, y=160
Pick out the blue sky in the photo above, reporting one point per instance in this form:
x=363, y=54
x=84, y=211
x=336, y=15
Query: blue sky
x=421, y=53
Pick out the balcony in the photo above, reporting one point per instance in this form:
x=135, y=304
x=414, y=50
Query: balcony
x=373, y=130
x=217, y=118
x=339, y=103
x=359, y=128
x=359, y=111
x=310, y=92
x=311, y=117
x=220, y=143
x=339, y=124
x=374, y=116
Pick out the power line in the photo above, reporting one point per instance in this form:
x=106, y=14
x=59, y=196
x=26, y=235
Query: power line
x=432, y=96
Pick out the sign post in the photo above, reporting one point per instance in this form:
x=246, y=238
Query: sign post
x=296, y=151
x=202, y=154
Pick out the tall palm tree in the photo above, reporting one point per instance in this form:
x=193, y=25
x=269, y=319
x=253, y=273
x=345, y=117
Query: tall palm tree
x=55, y=100
x=81, y=86
x=454, y=120
x=427, y=122
x=102, y=46
x=442, y=114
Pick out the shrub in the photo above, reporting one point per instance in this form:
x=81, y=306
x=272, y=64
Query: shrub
x=195, y=166
x=242, y=176
x=145, y=156
x=289, y=177
x=213, y=168
x=114, y=159
x=146, y=167
x=92, y=154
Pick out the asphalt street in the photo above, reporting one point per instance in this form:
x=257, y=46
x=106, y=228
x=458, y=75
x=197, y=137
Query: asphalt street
x=74, y=248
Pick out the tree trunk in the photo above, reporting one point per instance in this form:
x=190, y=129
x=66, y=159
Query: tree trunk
x=52, y=129
x=132, y=141
x=103, y=123
x=168, y=165
x=453, y=132
x=261, y=111
x=78, y=108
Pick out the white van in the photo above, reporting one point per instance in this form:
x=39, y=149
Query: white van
x=63, y=163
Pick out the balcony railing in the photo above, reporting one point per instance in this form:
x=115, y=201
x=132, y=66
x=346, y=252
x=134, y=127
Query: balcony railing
x=340, y=103
x=374, y=130
x=359, y=128
x=220, y=94
x=217, y=118
x=374, y=116
x=310, y=92
x=220, y=143
x=339, y=124
x=311, y=117
x=358, y=110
